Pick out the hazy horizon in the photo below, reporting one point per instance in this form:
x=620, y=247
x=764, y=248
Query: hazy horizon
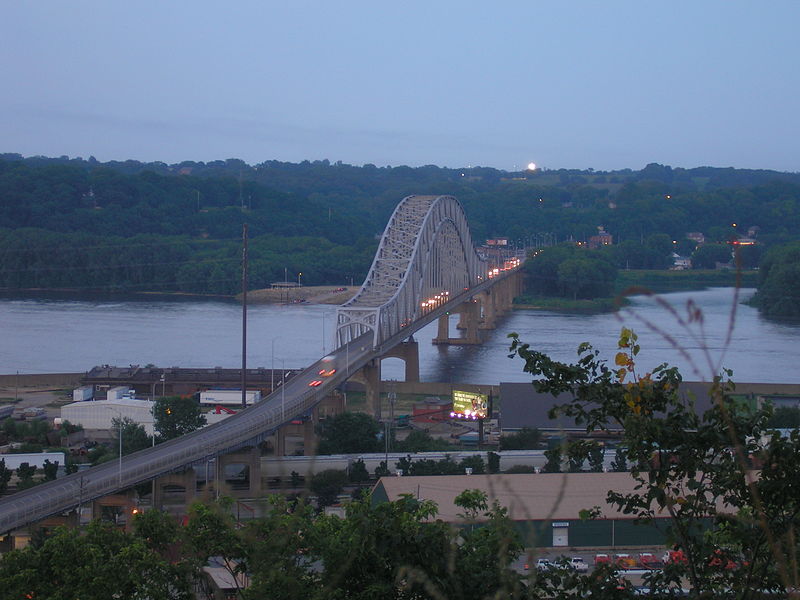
x=563, y=85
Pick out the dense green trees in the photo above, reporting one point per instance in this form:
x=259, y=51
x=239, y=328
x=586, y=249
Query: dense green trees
x=103, y=562
x=176, y=416
x=708, y=255
x=132, y=226
x=779, y=282
x=570, y=271
x=5, y=476
x=525, y=439
x=349, y=433
x=134, y=436
x=387, y=550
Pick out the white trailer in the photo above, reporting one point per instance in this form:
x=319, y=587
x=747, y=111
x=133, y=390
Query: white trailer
x=83, y=393
x=229, y=397
x=119, y=392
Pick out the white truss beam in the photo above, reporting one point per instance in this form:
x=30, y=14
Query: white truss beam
x=425, y=256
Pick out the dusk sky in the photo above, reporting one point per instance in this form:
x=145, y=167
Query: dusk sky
x=606, y=85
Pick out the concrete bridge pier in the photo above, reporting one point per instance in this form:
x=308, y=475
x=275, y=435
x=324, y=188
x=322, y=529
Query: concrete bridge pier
x=469, y=313
x=186, y=479
x=370, y=376
x=488, y=302
x=499, y=299
x=250, y=460
x=408, y=352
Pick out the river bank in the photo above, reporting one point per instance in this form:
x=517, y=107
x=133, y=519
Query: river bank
x=565, y=305
x=312, y=294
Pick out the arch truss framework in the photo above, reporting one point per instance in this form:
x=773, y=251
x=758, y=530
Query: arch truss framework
x=425, y=256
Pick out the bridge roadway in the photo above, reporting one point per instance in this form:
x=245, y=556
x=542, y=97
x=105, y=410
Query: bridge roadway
x=243, y=429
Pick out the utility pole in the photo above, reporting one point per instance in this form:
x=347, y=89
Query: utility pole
x=244, y=315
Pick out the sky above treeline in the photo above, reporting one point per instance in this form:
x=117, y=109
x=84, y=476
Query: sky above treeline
x=603, y=85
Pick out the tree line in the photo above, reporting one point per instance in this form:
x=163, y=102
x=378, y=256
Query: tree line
x=151, y=226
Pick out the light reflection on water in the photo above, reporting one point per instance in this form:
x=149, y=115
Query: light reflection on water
x=46, y=335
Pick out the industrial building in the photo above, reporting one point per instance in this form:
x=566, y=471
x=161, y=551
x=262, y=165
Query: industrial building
x=97, y=417
x=545, y=507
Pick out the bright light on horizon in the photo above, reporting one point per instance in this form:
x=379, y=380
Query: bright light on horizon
x=531, y=166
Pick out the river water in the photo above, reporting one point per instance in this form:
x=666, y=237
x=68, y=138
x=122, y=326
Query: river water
x=48, y=335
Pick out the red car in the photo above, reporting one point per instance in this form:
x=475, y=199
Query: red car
x=648, y=560
x=315, y=383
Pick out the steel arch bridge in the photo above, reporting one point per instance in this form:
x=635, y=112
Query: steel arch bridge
x=425, y=267
x=425, y=258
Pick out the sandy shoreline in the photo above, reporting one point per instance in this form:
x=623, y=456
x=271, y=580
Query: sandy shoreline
x=312, y=294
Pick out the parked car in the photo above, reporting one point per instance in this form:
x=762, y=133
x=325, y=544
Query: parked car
x=625, y=561
x=543, y=564
x=601, y=559
x=577, y=563
x=648, y=560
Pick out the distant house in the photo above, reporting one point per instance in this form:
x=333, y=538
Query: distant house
x=603, y=238
x=680, y=263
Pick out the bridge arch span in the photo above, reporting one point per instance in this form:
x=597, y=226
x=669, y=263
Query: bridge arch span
x=425, y=256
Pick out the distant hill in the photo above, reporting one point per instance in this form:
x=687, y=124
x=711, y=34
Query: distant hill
x=70, y=222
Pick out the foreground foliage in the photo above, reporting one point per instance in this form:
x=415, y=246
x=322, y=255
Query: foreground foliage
x=727, y=481
x=388, y=550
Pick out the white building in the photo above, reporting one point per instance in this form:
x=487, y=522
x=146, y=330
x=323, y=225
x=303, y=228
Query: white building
x=100, y=414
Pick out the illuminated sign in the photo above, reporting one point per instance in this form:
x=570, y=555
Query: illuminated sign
x=469, y=405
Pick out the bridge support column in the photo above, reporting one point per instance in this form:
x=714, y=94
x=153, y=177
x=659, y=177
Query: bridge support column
x=408, y=352
x=251, y=460
x=186, y=479
x=470, y=317
x=280, y=441
x=489, y=309
x=309, y=439
x=371, y=373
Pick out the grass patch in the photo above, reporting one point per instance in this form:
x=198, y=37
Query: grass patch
x=8, y=401
x=597, y=305
x=662, y=282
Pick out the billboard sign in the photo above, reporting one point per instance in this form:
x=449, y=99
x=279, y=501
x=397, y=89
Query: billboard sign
x=469, y=405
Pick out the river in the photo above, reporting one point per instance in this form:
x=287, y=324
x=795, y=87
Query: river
x=48, y=335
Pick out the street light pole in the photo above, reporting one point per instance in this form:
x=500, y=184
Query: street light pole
x=283, y=389
x=272, y=370
x=119, y=414
x=120, y=450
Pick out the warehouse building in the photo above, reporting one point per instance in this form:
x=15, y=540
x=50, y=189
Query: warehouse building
x=545, y=507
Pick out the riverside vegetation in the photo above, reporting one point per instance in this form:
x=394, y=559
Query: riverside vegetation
x=132, y=227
